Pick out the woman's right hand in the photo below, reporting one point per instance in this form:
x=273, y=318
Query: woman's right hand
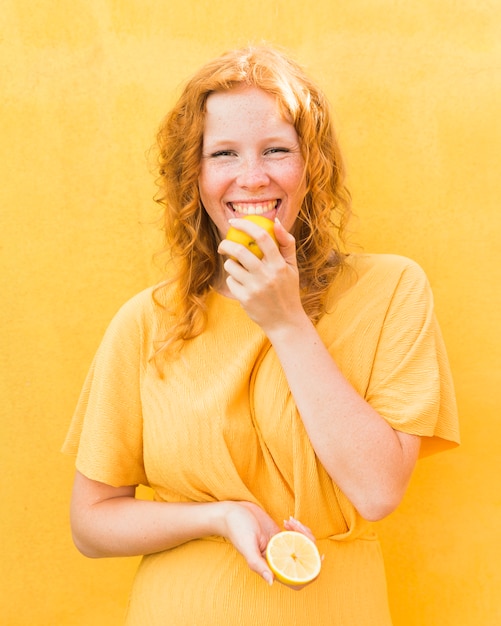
x=249, y=528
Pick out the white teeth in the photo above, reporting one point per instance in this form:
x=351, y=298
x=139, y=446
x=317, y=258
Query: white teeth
x=254, y=208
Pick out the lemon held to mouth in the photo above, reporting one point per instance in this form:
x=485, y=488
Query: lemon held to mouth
x=246, y=240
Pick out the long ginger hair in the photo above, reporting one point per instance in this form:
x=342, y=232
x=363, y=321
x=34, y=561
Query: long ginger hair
x=191, y=239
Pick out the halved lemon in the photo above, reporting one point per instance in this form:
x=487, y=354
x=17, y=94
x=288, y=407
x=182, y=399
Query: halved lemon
x=246, y=240
x=293, y=558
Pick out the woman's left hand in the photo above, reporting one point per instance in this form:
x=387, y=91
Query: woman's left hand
x=294, y=524
x=267, y=288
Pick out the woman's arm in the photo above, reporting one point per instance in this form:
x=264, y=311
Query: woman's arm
x=370, y=461
x=109, y=521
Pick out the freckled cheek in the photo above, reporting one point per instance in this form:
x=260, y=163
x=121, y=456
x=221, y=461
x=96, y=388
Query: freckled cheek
x=209, y=185
x=289, y=172
x=294, y=180
x=215, y=178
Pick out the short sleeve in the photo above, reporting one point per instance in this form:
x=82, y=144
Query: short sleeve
x=106, y=429
x=411, y=383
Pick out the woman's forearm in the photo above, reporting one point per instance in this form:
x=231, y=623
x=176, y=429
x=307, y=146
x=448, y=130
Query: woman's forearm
x=371, y=462
x=108, y=521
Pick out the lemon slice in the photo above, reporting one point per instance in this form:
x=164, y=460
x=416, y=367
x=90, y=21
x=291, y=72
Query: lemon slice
x=293, y=558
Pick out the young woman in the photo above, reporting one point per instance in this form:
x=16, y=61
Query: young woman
x=245, y=391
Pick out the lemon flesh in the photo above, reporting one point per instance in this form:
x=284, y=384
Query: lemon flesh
x=293, y=558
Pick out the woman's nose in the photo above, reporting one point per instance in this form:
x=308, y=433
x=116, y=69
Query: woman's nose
x=252, y=175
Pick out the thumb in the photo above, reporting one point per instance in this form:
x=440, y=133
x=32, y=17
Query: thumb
x=257, y=563
x=268, y=577
x=265, y=572
x=286, y=242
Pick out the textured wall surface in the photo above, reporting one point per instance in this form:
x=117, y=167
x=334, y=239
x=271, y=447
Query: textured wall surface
x=416, y=88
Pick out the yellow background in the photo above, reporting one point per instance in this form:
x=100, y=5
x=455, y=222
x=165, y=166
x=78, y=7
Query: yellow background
x=416, y=88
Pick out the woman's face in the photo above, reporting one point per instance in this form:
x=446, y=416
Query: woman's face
x=251, y=159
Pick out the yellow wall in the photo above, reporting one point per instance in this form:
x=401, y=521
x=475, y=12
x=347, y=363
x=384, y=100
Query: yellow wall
x=417, y=91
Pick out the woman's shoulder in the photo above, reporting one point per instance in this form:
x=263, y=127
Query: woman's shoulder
x=136, y=307
x=375, y=271
x=386, y=264
x=367, y=280
x=142, y=313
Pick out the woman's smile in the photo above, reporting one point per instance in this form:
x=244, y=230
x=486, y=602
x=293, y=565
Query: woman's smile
x=255, y=208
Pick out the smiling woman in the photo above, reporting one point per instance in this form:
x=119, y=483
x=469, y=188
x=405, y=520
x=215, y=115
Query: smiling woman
x=244, y=389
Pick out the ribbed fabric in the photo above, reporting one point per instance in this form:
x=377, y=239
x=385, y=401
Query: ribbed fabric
x=222, y=425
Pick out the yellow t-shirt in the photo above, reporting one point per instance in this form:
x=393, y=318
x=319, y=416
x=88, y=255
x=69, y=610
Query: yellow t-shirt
x=221, y=424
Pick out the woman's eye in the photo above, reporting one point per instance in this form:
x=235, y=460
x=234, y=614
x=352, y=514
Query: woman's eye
x=276, y=150
x=222, y=153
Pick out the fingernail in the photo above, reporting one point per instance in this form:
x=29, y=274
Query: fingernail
x=297, y=522
x=268, y=578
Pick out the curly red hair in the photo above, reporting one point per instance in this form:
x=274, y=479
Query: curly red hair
x=191, y=237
